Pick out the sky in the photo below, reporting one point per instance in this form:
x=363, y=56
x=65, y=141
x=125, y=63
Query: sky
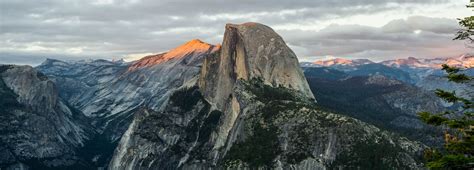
x=31, y=31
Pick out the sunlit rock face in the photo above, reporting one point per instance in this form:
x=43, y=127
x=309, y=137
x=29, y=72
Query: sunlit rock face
x=249, y=107
x=193, y=47
x=37, y=126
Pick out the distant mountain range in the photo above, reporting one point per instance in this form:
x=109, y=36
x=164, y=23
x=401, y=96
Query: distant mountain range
x=424, y=73
x=388, y=93
x=463, y=61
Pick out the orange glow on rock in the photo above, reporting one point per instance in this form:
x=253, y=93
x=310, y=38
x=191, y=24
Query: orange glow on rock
x=194, y=46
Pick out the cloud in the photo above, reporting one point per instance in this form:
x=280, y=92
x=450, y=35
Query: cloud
x=399, y=38
x=435, y=25
x=118, y=28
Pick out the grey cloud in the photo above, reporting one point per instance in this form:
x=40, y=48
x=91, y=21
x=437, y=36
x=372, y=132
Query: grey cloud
x=355, y=41
x=436, y=25
x=137, y=26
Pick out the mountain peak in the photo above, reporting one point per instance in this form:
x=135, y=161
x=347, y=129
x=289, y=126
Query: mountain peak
x=244, y=25
x=193, y=47
x=50, y=61
x=251, y=51
x=342, y=61
x=465, y=61
x=339, y=61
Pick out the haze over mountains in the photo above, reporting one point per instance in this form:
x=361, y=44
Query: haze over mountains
x=246, y=104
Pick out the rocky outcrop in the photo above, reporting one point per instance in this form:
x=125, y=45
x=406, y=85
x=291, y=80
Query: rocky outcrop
x=37, y=126
x=249, y=51
x=251, y=107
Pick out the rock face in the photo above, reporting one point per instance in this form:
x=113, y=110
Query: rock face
x=78, y=81
x=37, y=126
x=193, y=47
x=250, y=106
x=251, y=50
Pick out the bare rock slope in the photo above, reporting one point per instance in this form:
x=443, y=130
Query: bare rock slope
x=37, y=127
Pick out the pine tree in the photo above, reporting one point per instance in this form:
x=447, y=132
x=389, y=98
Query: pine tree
x=459, y=144
x=467, y=28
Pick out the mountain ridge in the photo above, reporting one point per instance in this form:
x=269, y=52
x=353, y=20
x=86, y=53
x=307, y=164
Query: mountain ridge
x=188, y=48
x=463, y=61
x=386, y=102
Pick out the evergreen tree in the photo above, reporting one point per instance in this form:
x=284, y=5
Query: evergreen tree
x=467, y=28
x=459, y=144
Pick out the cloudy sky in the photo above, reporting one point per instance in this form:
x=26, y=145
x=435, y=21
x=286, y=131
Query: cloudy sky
x=376, y=29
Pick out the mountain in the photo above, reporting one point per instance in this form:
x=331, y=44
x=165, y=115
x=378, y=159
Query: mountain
x=244, y=104
x=38, y=128
x=410, y=61
x=362, y=67
x=423, y=73
x=250, y=106
x=78, y=81
x=111, y=93
x=463, y=61
x=342, y=61
x=190, y=48
x=433, y=82
x=323, y=73
x=379, y=69
x=387, y=103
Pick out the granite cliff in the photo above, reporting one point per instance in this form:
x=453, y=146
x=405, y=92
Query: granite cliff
x=38, y=128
